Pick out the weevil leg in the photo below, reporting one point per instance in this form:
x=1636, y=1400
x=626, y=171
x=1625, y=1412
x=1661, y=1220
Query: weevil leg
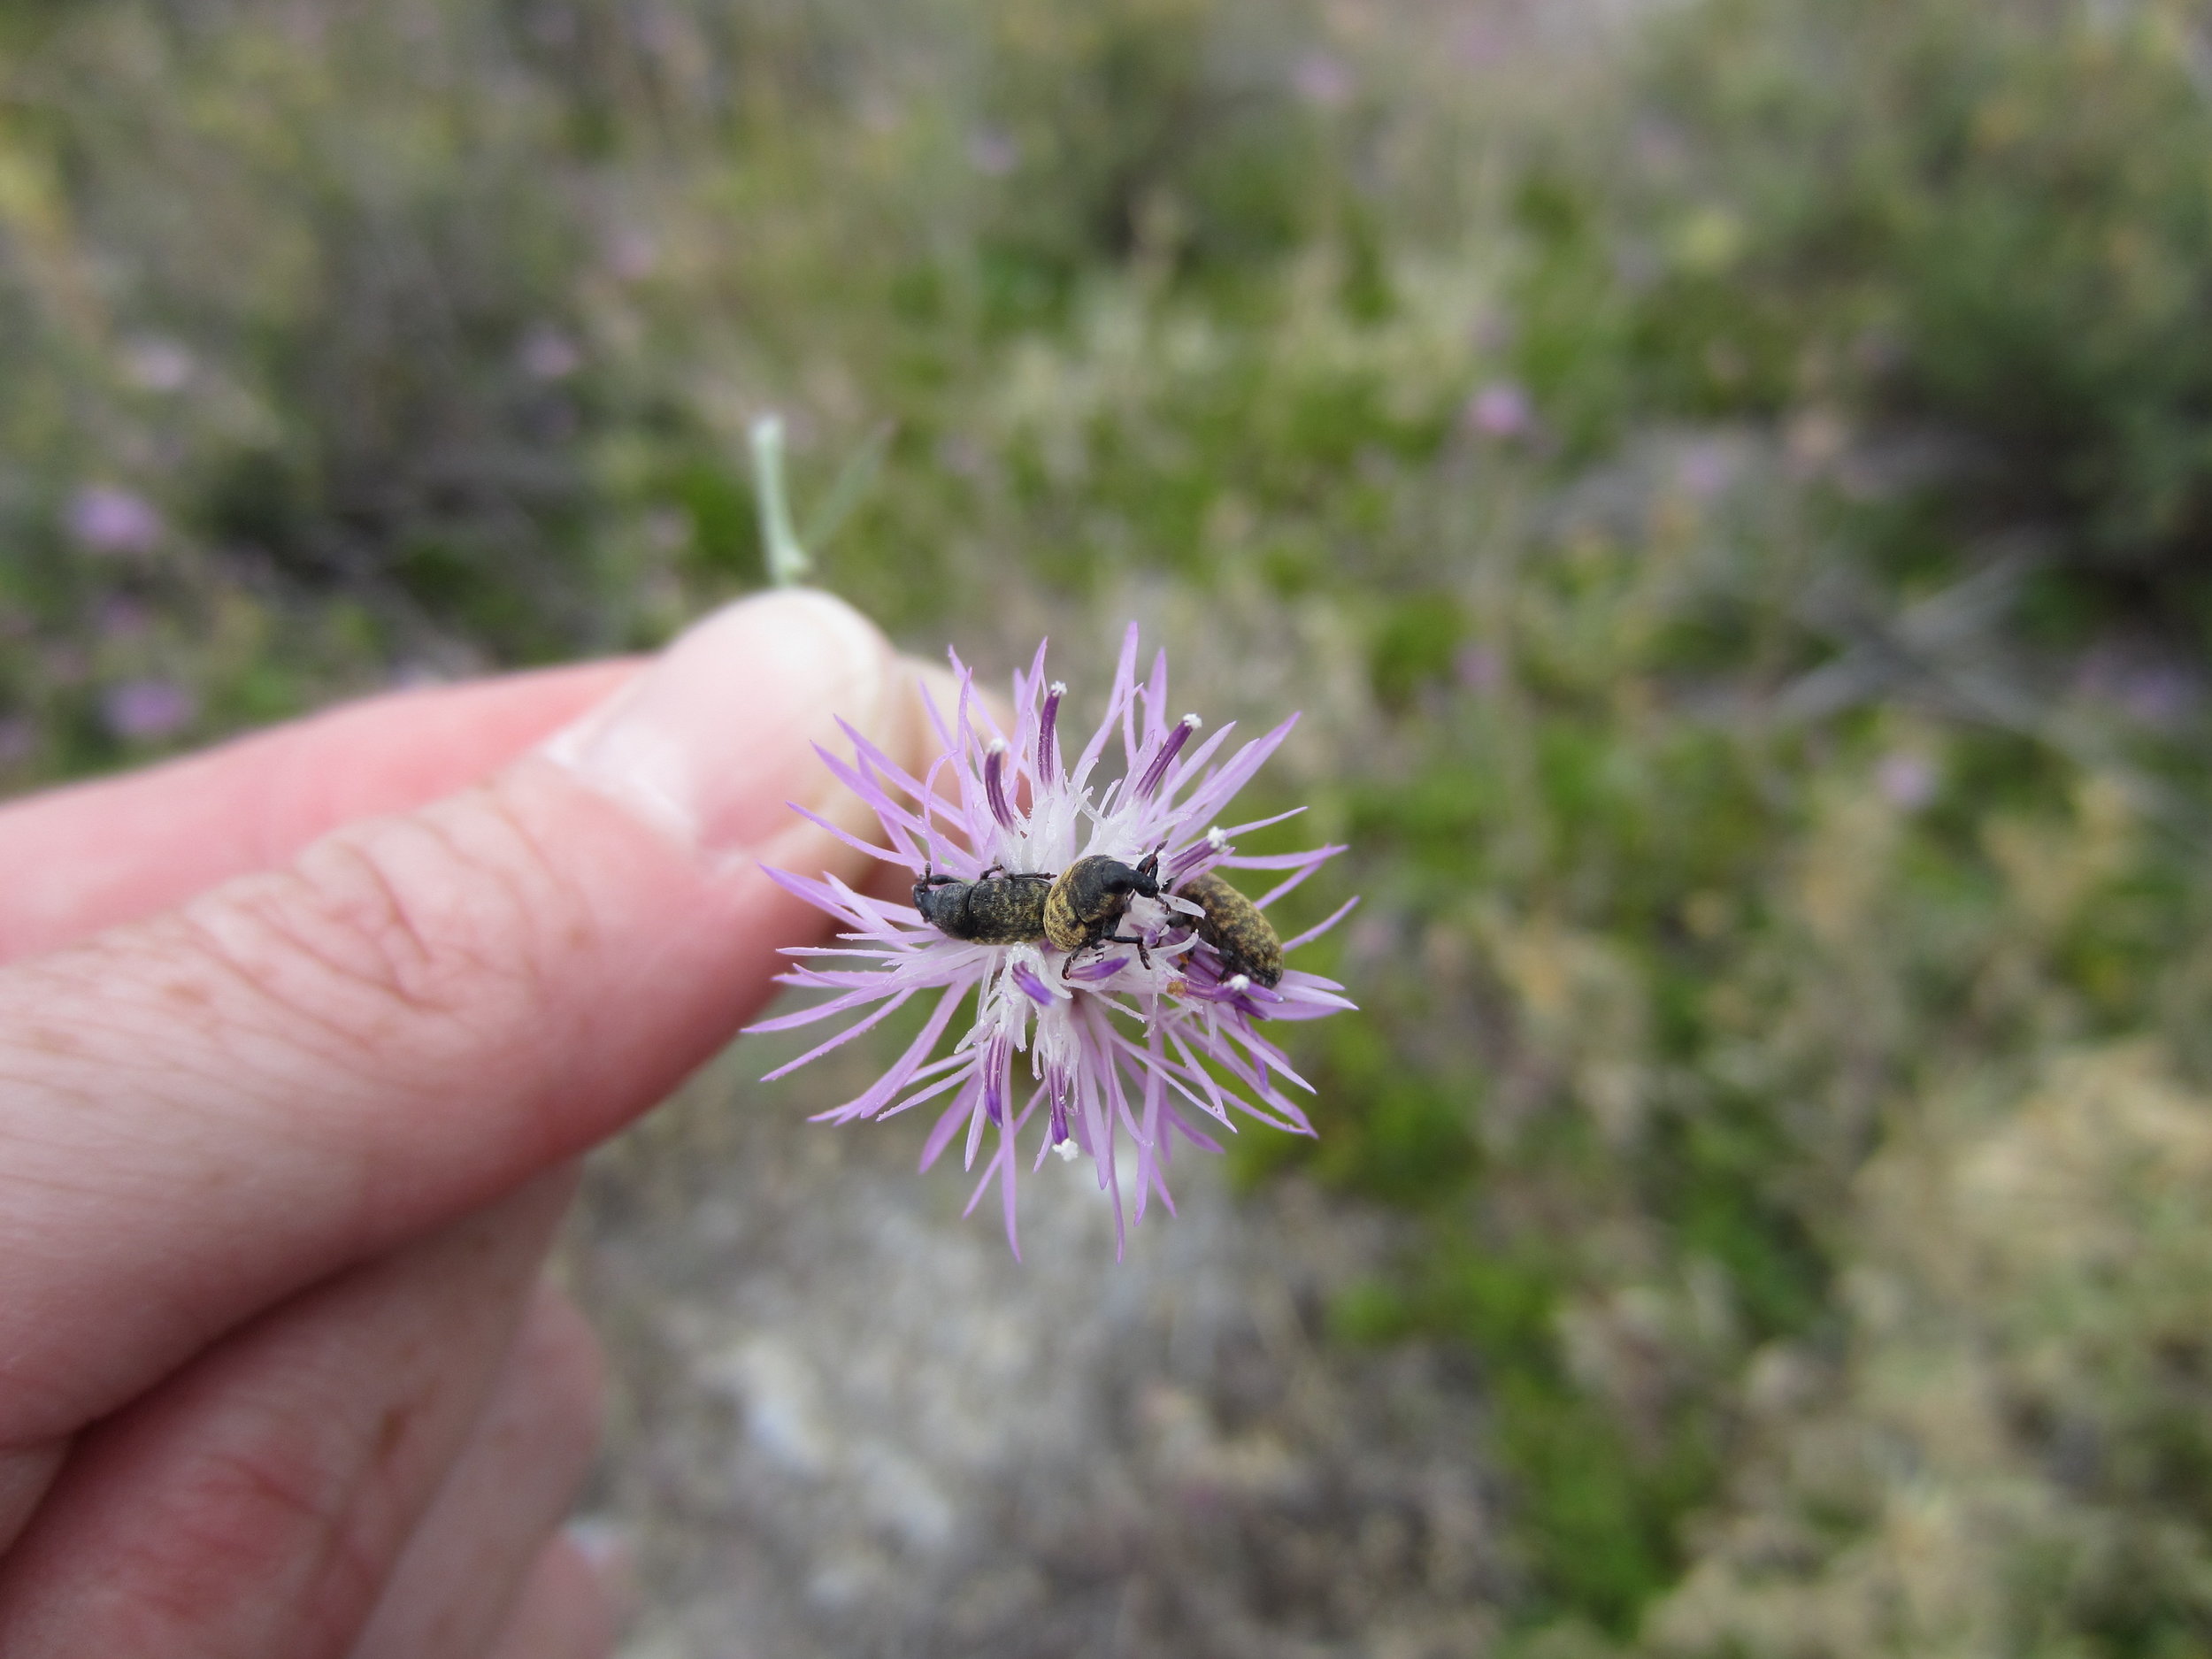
x=1068, y=961
x=1144, y=951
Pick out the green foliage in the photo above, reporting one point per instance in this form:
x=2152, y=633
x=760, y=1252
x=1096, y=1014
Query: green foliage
x=1145, y=130
x=1984, y=229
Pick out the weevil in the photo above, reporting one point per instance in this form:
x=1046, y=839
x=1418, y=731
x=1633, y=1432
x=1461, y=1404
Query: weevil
x=1090, y=899
x=1078, y=909
x=996, y=909
x=1234, y=926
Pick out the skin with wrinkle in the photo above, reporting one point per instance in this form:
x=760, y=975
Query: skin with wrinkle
x=303, y=1127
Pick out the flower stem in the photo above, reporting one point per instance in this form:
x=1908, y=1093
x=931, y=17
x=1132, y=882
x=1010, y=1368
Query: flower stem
x=788, y=561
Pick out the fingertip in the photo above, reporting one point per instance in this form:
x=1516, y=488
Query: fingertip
x=710, y=743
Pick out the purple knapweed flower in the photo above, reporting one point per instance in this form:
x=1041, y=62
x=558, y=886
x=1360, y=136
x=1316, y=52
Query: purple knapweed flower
x=157, y=365
x=1907, y=781
x=145, y=709
x=1118, y=1050
x=992, y=153
x=105, y=518
x=1501, y=409
x=1322, y=80
x=550, y=355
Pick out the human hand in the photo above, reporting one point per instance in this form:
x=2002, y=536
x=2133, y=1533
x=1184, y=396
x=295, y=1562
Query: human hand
x=299, y=1040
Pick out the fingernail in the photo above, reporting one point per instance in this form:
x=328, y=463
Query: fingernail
x=713, y=739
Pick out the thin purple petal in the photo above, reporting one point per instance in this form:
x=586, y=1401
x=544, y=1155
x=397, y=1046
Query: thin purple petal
x=995, y=784
x=1314, y=933
x=1149, y=786
x=1047, y=735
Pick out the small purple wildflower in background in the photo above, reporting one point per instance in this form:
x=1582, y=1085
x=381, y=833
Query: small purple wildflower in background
x=1478, y=44
x=992, y=153
x=1501, y=410
x=143, y=709
x=1322, y=80
x=550, y=355
x=1118, y=1048
x=108, y=519
x=1907, y=781
x=1477, y=668
x=633, y=256
x=2152, y=688
x=124, y=618
x=155, y=365
x=1706, y=469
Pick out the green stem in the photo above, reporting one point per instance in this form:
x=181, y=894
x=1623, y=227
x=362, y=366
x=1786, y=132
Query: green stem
x=788, y=561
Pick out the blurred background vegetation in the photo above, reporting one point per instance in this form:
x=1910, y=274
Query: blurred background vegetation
x=1730, y=483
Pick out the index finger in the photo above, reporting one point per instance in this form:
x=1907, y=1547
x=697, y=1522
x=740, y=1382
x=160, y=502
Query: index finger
x=94, y=855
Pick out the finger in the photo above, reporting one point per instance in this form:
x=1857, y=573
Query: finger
x=97, y=854
x=565, y=1610
x=464, y=1569
x=201, y=1113
x=254, y=1504
x=25, y=1478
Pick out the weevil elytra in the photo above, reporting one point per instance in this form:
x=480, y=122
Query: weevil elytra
x=997, y=908
x=1234, y=926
